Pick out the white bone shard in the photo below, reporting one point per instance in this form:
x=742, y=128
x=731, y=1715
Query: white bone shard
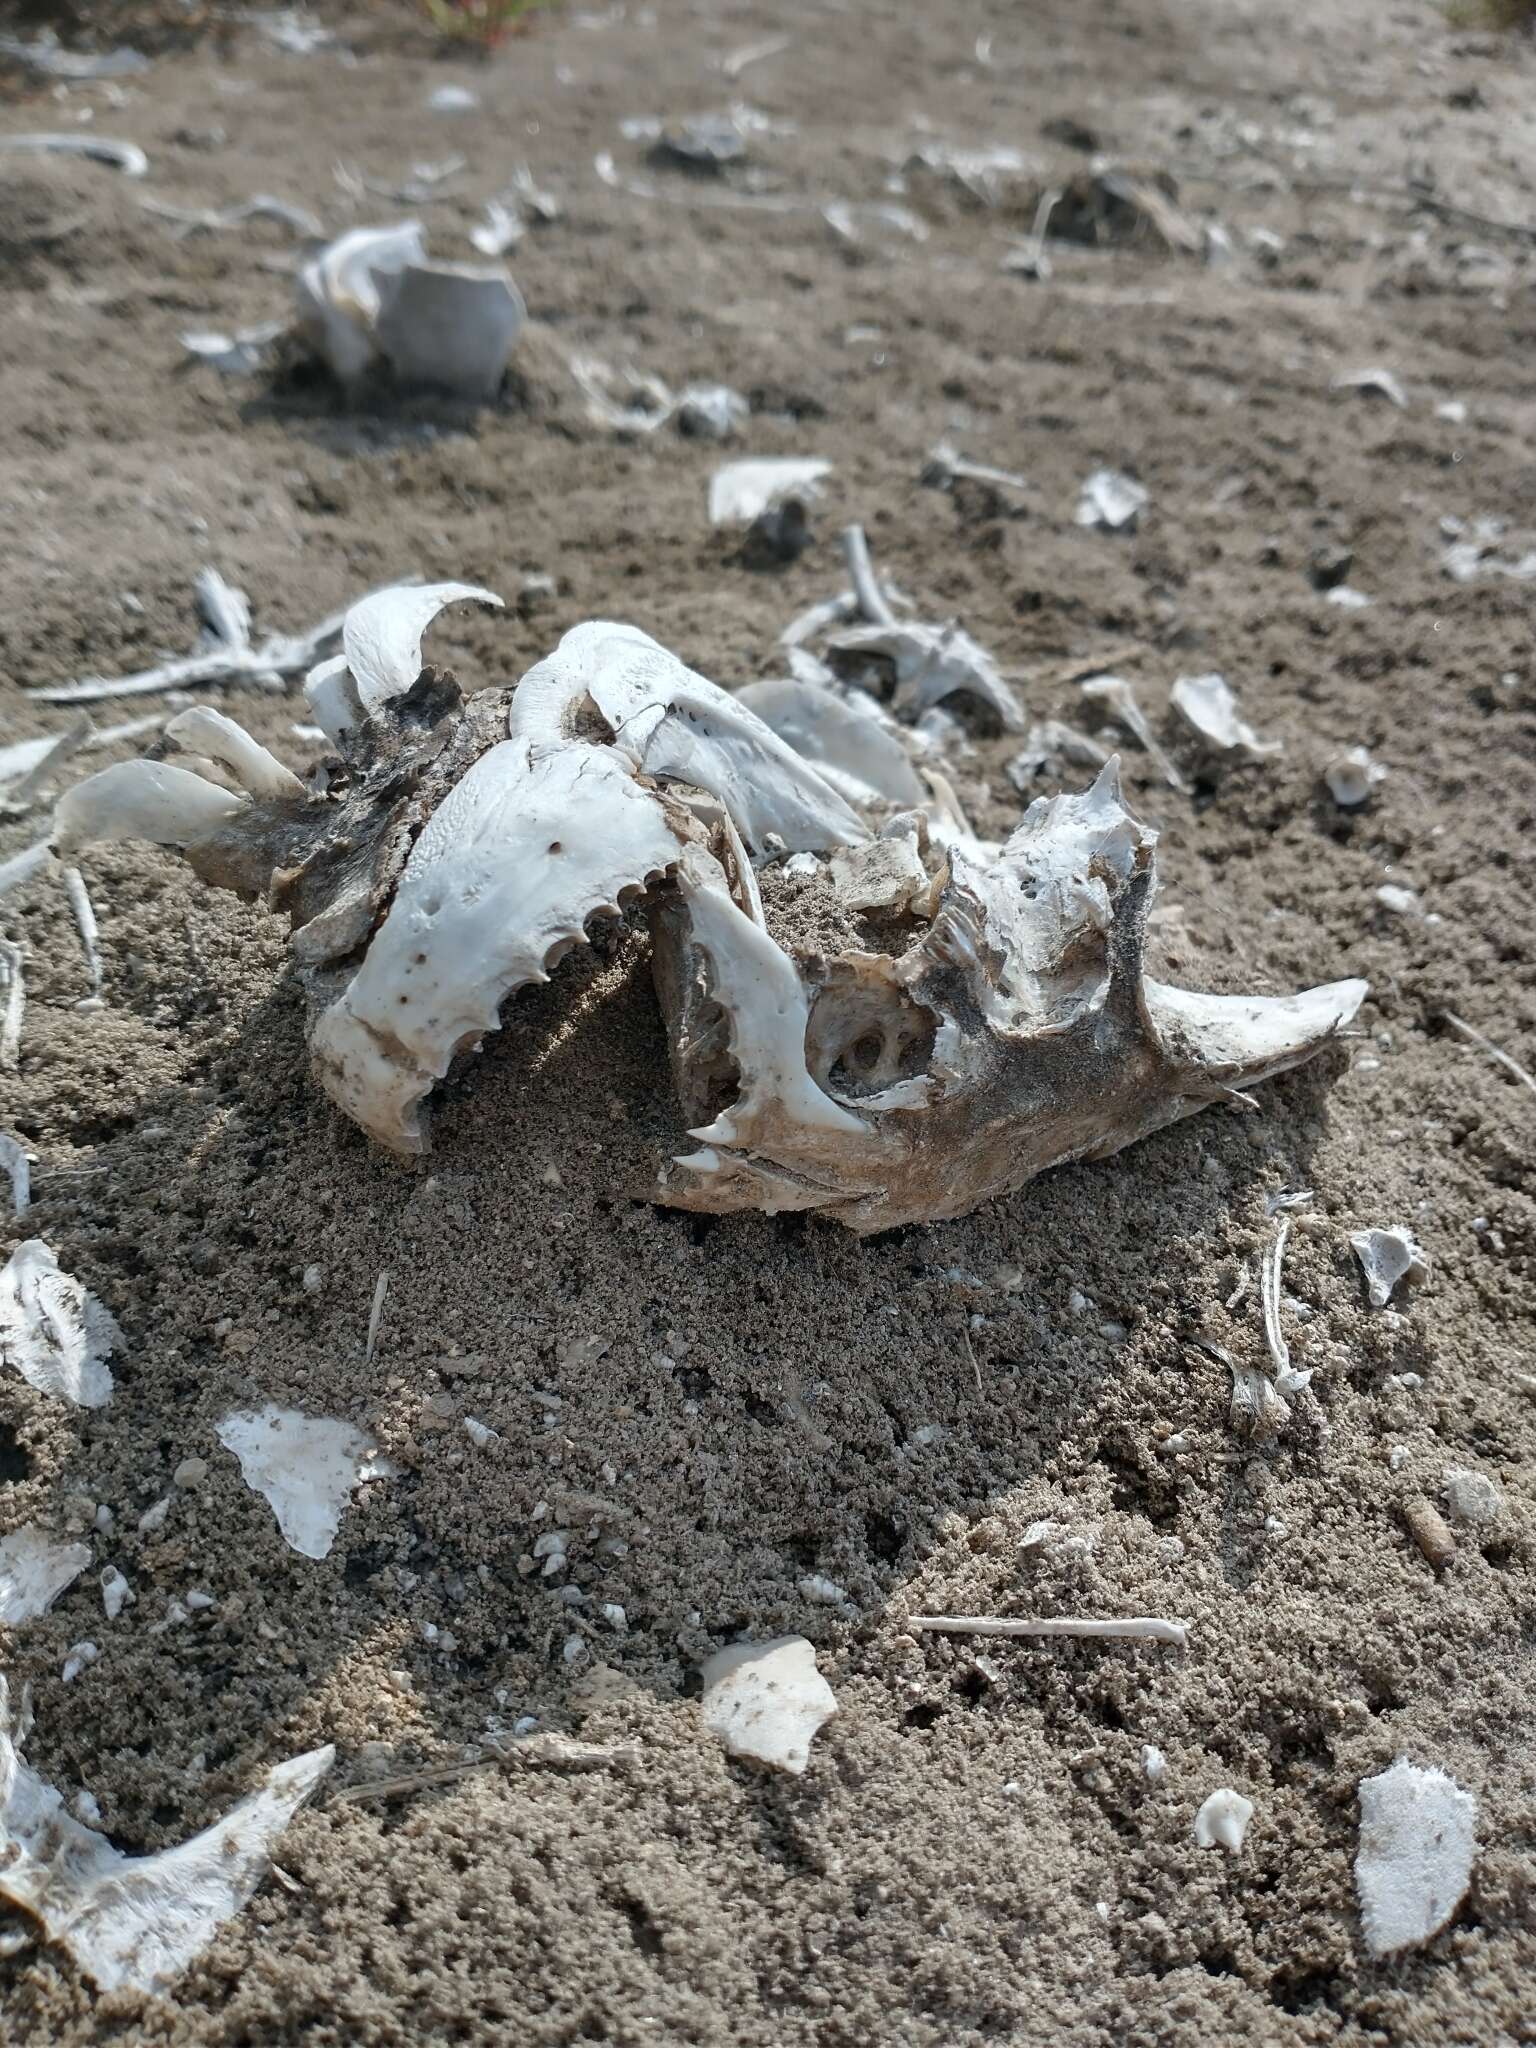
x=1372, y=383
x=1352, y=776
x=674, y=724
x=305, y=1466
x=1208, y=707
x=1119, y=699
x=854, y=744
x=332, y=695
x=452, y=326
x=202, y=730
x=53, y=1331
x=152, y=800
x=35, y=1568
x=886, y=873
x=740, y=492
x=1222, y=1821
x=932, y=663
x=1387, y=1258
x=136, y=1922
x=126, y=157
x=339, y=292
x=381, y=639
x=766, y=1701
x=1111, y=500
x=1418, y=1838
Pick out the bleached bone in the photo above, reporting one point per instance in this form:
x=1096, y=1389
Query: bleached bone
x=305, y=1466
x=1352, y=776
x=766, y=1701
x=848, y=737
x=932, y=663
x=1119, y=700
x=339, y=297
x=1112, y=500
x=1208, y=707
x=1414, y=1864
x=381, y=637
x=53, y=1331
x=35, y=1568
x=152, y=800
x=1388, y=1258
x=136, y=1922
x=1222, y=1821
x=452, y=326
x=203, y=730
x=741, y=492
x=126, y=157
x=453, y=853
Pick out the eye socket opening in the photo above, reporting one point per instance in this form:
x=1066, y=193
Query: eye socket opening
x=865, y=1036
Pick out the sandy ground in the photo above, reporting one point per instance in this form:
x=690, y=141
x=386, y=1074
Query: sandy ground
x=718, y=1412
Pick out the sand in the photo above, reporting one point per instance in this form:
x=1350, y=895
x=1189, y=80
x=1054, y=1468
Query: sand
x=721, y=1413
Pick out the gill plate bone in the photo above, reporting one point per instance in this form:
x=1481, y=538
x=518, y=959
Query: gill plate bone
x=463, y=849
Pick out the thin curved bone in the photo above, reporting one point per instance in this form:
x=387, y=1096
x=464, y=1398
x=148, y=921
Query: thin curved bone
x=381, y=637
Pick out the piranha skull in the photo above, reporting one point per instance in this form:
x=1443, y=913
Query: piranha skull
x=988, y=1017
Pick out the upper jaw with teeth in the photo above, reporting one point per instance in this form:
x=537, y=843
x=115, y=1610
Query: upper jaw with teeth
x=450, y=853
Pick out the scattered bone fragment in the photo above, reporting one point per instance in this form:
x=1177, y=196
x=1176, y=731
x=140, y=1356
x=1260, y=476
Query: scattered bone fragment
x=305, y=1466
x=1388, y=1258
x=766, y=1701
x=946, y=467
x=1112, y=203
x=16, y=1164
x=84, y=914
x=850, y=739
x=705, y=144
x=53, y=1331
x=1372, y=383
x=1049, y=749
x=13, y=1004
x=241, y=354
x=126, y=157
x=711, y=412
x=450, y=326
x=136, y=1922
x=1430, y=1531
x=886, y=873
x=1223, y=1820
x=1400, y=901
x=1472, y=1499
x=79, y=1657
x=500, y=230
x=1209, y=708
x=1153, y=1763
x=373, y=295
x=1112, y=501
x=116, y=1593
x=1494, y=1052
x=929, y=664
x=1352, y=776
x=27, y=768
x=1119, y=700
x=742, y=492
x=35, y=1568
x=1148, y=1628
x=376, y=1317
x=1418, y=1838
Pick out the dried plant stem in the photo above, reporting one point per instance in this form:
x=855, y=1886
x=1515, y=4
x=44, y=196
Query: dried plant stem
x=1493, y=1051
x=1152, y=1628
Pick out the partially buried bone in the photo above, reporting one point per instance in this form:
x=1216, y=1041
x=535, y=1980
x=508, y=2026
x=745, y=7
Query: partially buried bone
x=372, y=296
x=451, y=853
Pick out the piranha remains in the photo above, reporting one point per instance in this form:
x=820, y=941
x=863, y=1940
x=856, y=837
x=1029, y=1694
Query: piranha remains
x=998, y=1022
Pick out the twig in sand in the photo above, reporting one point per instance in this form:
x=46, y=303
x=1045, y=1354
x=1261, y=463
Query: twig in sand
x=14, y=1161
x=1493, y=1051
x=1152, y=1628
x=376, y=1315
x=13, y=1003
x=871, y=598
x=85, y=924
x=552, y=1752
x=970, y=1352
